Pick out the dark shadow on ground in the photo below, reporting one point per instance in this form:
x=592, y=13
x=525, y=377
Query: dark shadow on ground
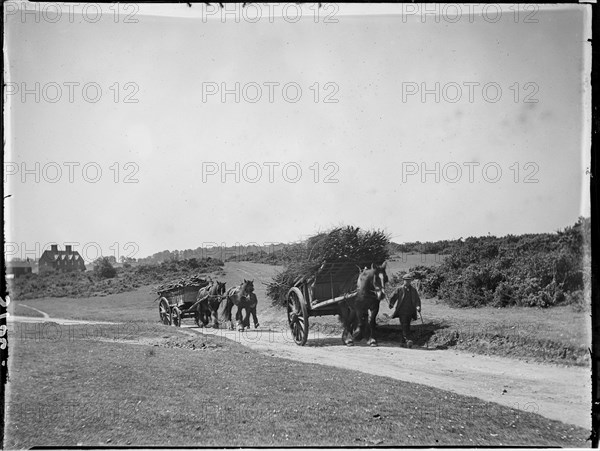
x=420, y=333
x=387, y=335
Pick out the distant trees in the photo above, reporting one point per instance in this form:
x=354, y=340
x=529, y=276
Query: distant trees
x=428, y=247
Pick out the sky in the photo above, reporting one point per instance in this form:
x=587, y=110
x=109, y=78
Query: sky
x=139, y=128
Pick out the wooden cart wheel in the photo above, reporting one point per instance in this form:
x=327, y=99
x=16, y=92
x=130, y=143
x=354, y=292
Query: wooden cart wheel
x=164, y=310
x=297, y=316
x=176, y=316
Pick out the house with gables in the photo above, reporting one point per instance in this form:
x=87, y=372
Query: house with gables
x=63, y=261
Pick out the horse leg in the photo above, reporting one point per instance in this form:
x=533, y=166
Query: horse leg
x=246, y=320
x=202, y=310
x=214, y=310
x=252, y=310
x=360, y=322
x=346, y=318
x=227, y=313
x=238, y=319
x=372, y=312
x=356, y=327
x=254, y=317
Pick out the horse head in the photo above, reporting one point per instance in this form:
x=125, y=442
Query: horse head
x=247, y=287
x=373, y=280
x=220, y=288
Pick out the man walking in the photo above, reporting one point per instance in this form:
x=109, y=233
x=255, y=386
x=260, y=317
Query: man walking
x=407, y=306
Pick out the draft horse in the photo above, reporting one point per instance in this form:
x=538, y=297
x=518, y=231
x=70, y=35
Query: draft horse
x=358, y=313
x=243, y=298
x=210, y=299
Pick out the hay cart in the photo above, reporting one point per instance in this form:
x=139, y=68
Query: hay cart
x=320, y=295
x=178, y=303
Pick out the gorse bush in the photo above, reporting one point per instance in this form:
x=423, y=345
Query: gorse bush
x=539, y=270
x=104, y=269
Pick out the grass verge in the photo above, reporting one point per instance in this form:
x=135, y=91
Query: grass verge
x=159, y=385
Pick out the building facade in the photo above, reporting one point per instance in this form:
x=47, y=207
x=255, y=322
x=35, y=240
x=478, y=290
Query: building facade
x=63, y=261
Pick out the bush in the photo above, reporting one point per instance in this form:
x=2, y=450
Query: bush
x=104, y=269
x=534, y=270
x=504, y=295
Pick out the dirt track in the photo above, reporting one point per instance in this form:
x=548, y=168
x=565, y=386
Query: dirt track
x=559, y=393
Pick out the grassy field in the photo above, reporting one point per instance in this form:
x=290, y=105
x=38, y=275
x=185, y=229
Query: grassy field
x=158, y=385
x=136, y=305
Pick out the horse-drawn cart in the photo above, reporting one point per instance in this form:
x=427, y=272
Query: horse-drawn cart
x=178, y=302
x=321, y=294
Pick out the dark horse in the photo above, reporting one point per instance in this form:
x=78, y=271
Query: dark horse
x=358, y=314
x=242, y=297
x=210, y=298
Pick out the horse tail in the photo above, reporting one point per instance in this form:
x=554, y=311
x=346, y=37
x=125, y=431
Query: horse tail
x=228, y=307
x=222, y=303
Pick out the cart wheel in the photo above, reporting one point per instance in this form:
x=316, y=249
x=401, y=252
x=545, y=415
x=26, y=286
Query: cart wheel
x=176, y=316
x=297, y=316
x=165, y=312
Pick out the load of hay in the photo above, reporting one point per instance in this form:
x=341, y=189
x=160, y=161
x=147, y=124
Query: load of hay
x=342, y=244
x=194, y=281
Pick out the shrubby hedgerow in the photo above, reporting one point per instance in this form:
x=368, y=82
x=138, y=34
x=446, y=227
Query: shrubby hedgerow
x=535, y=270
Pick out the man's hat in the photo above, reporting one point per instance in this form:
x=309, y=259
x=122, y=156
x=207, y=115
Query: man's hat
x=408, y=276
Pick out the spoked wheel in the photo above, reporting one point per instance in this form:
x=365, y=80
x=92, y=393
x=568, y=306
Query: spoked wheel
x=165, y=312
x=176, y=316
x=297, y=316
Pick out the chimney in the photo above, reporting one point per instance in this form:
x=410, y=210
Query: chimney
x=54, y=247
x=68, y=248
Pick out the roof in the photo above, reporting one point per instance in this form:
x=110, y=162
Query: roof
x=62, y=255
